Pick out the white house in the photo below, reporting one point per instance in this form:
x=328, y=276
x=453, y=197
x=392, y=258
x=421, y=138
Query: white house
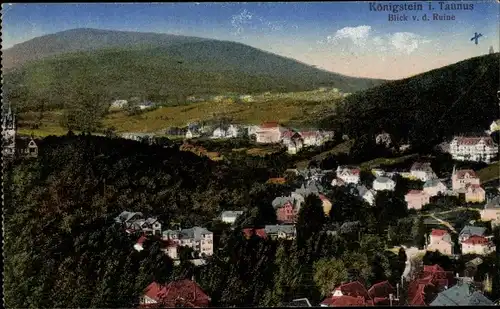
x=477, y=245
x=383, y=183
x=495, y=126
x=118, y=104
x=422, y=171
x=191, y=133
x=134, y=222
x=479, y=149
x=269, y=133
x=230, y=216
x=231, y=132
x=312, y=138
x=145, y=105
x=460, y=179
x=367, y=194
x=348, y=174
x=440, y=240
x=434, y=186
x=198, y=238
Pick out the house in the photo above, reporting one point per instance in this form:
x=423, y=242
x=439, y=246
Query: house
x=440, y=240
x=348, y=174
x=355, y=294
x=383, y=183
x=269, y=133
x=127, y=216
x=478, y=149
x=249, y=232
x=180, y=293
x=461, y=178
x=491, y=211
x=146, y=105
x=434, y=187
x=280, y=231
x=316, y=189
x=495, y=126
x=474, y=193
x=287, y=213
x=416, y=199
x=476, y=244
x=134, y=222
x=198, y=238
x=461, y=294
x=119, y=104
x=252, y=130
x=312, y=138
x=383, y=139
x=192, y=133
x=230, y=216
x=469, y=231
x=231, y=131
x=422, y=171
x=293, y=141
x=429, y=282
x=367, y=194
x=26, y=147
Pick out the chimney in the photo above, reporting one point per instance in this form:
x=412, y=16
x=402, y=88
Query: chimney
x=390, y=299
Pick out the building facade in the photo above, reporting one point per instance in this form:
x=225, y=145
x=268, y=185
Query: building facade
x=478, y=149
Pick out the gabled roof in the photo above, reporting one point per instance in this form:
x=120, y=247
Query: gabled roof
x=470, y=141
x=354, y=289
x=269, y=125
x=231, y=213
x=460, y=174
x=432, y=183
x=472, y=230
x=381, y=290
x=476, y=240
x=181, y=290
x=462, y=294
x=439, y=232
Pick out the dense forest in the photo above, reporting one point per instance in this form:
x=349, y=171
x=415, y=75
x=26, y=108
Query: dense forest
x=64, y=249
x=427, y=108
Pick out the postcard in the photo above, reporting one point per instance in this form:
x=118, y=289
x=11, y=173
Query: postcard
x=238, y=154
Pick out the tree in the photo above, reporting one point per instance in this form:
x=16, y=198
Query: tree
x=371, y=244
x=329, y=273
x=310, y=220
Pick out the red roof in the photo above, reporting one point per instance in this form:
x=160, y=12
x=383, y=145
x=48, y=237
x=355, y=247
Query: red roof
x=476, y=240
x=415, y=192
x=288, y=134
x=436, y=232
x=474, y=140
x=184, y=291
x=249, y=232
x=323, y=198
x=381, y=290
x=461, y=173
x=432, y=278
x=141, y=240
x=347, y=301
x=269, y=125
x=354, y=289
x=309, y=133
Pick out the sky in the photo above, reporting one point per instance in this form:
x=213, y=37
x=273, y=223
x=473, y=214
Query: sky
x=346, y=38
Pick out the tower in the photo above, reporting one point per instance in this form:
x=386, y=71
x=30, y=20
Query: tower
x=8, y=133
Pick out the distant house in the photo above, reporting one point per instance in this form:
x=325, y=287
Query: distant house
x=232, y=131
x=269, y=133
x=280, y=231
x=315, y=189
x=293, y=141
x=479, y=149
x=469, y=231
x=230, y=216
x=367, y=194
x=198, y=238
x=416, y=199
x=192, y=133
x=422, y=171
x=134, y=222
x=476, y=244
x=461, y=178
x=383, y=139
x=495, y=126
x=312, y=138
x=491, y=211
x=348, y=174
x=119, y=104
x=181, y=293
x=287, y=213
x=355, y=294
x=383, y=183
x=474, y=194
x=146, y=105
x=434, y=187
x=432, y=280
x=26, y=147
x=250, y=232
x=461, y=294
x=440, y=240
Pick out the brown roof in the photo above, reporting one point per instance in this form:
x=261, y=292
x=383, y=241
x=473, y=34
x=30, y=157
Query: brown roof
x=269, y=125
x=185, y=291
x=438, y=232
x=474, y=140
x=460, y=174
x=476, y=240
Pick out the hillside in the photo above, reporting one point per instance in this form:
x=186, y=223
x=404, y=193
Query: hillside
x=161, y=68
x=459, y=98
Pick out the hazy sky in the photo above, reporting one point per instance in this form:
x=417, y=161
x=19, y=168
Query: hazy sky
x=346, y=38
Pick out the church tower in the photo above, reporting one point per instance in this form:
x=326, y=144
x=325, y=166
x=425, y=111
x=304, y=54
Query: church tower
x=8, y=133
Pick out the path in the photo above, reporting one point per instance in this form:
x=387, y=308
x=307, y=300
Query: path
x=445, y=223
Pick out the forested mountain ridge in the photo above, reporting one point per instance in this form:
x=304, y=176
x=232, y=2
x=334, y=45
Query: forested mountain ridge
x=427, y=108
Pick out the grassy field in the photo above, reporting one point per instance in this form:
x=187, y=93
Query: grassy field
x=491, y=172
x=385, y=161
x=342, y=147
x=287, y=112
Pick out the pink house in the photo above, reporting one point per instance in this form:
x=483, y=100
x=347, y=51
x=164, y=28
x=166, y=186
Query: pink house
x=286, y=213
x=477, y=245
x=440, y=240
x=269, y=133
x=416, y=199
x=461, y=178
x=474, y=193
